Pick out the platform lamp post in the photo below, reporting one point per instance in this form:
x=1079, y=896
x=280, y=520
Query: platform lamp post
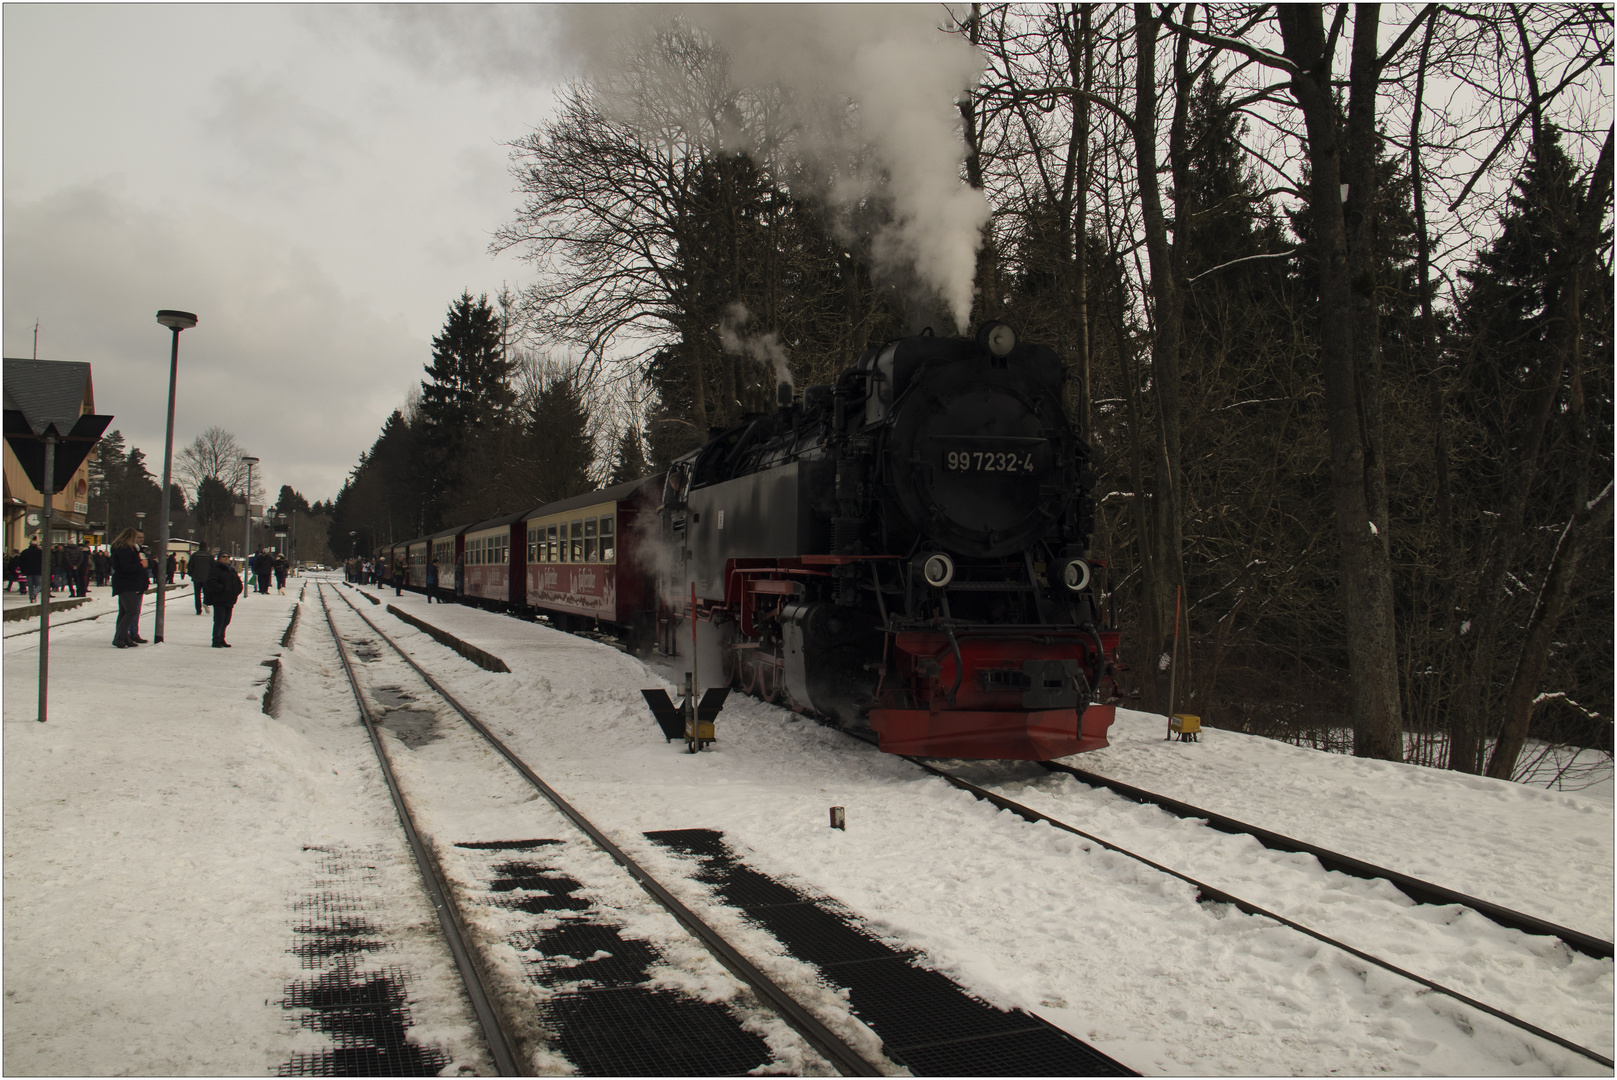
x=247, y=541
x=175, y=321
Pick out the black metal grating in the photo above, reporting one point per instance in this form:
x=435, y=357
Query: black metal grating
x=925, y=1020
x=747, y=889
x=707, y=843
x=639, y=1031
x=362, y=1010
x=910, y=1005
x=531, y=877
x=1041, y=1051
x=603, y=1015
x=505, y=845
x=576, y=951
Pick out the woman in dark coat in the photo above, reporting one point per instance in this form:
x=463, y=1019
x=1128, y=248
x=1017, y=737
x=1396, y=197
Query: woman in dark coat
x=129, y=583
x=222, y=589
x=281, y=567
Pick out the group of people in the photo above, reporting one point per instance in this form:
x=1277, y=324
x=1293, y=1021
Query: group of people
x=263, y=566
x=366, y=571
x=215, y=584
x=72, y=567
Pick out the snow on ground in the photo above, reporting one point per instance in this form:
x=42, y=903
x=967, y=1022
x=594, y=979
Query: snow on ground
x=156, y=831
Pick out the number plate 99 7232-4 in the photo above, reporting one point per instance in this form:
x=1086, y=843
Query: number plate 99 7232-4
x=1000, y=461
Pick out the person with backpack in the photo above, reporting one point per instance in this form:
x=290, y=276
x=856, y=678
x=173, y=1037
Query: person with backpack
x=30, y=564
x=281, y=566
x=221, y=592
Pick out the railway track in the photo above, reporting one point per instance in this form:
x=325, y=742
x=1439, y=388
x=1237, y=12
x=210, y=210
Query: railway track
x=1421, y=892
x=495, y=1018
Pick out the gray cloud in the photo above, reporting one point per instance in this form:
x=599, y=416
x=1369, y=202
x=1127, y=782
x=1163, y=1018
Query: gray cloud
x=280, y=356
x=266, y=130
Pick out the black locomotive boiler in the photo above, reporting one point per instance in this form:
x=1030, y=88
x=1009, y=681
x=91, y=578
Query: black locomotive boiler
x=906, y=549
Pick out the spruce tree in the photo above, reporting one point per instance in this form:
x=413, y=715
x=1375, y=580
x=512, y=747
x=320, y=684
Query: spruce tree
x=630, y=463
x=559, y=432
x=468, y=388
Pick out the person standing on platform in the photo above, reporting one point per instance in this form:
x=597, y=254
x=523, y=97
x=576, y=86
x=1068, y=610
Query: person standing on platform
x=432, y=581
x=103, y=567
x=30, y=564
x=221, y=591
x=129, y=584
x=201, y=565
x=81, y=569
x=281, y=567
x=399, y=572
x=169, y=566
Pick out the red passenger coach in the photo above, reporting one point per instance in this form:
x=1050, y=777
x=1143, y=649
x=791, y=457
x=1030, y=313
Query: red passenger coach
x=443, y=551
x=494, y=560
x=589, y=558
x=415, y=561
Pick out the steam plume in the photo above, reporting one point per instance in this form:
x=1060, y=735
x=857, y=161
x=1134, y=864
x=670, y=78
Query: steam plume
x=868, y=93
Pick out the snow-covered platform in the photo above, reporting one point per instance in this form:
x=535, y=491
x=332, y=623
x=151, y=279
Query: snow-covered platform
x=146, y=833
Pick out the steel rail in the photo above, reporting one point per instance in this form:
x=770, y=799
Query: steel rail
x=1210, y=892
x=1422, y=892
x=437, y=890
x=846, y=1060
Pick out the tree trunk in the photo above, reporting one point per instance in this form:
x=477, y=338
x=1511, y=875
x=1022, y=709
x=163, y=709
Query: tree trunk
x=1161, y=545
x=1365, y=587
x=1535, y=654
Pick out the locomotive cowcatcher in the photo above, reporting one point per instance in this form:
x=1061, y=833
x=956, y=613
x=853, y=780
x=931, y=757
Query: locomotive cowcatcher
x=906, y=549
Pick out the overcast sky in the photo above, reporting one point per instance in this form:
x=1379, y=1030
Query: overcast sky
x=316, y=183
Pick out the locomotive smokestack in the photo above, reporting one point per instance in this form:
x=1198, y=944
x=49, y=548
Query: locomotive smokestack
x=783, y=394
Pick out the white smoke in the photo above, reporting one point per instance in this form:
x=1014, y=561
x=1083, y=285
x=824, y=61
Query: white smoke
x=866, y=92
x=764, y=348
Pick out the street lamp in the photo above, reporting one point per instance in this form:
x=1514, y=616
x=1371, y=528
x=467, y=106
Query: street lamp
x=175, y=321
x=247, y=541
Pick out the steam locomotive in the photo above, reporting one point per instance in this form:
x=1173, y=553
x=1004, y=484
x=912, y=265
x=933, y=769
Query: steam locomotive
x=905, y=549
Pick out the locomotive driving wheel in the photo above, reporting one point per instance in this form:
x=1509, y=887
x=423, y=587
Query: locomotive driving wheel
x=771, y=674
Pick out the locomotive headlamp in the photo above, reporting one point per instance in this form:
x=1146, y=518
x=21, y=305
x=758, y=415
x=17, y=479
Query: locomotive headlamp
x=938, y=570
x=1075, y=575
x=997, y=337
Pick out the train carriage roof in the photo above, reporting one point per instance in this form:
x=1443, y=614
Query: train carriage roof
x=494, y=523
x=615, y=493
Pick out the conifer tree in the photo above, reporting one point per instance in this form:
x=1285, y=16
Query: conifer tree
x=630, y=463
x=468, y=389
x=563, y=447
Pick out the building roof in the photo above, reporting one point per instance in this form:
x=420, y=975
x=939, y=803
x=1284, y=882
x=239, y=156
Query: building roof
x=47, y=391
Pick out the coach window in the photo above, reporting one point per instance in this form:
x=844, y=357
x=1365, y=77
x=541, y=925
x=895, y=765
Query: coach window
x=609, y=551
x=578, y=540
x=533, y=545
x=591, y=553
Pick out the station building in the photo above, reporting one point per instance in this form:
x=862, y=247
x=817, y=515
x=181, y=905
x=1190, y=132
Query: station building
x=47, y=387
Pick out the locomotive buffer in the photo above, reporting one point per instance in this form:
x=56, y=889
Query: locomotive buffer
x=690, y=719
